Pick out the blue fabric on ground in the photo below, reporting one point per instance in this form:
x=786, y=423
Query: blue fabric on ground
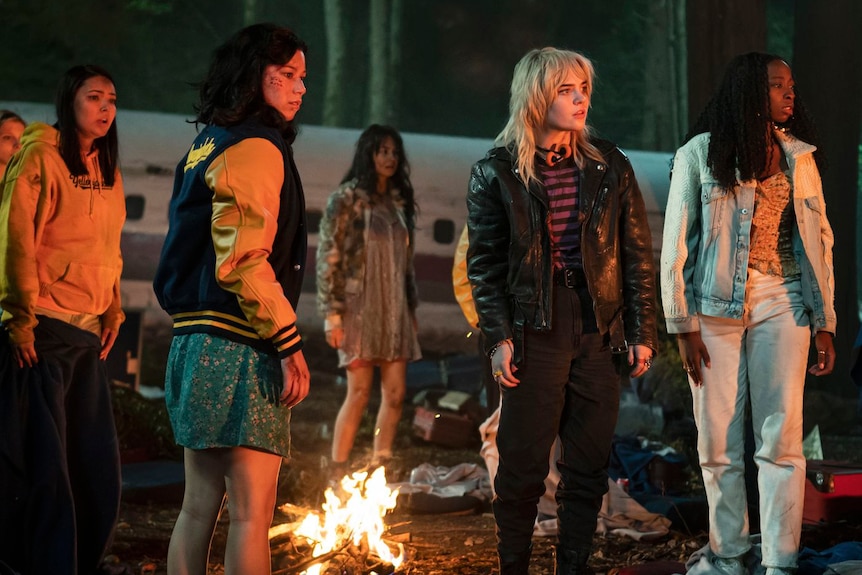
x=629, y=459
x=817, y=562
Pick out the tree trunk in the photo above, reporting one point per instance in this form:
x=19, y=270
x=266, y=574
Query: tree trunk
x=395, y=49
x=378, y=69
x=828, y=70
x=249, y=12
x=679, y=42
x=661, y=128
x=718, y=30
x=334, y=112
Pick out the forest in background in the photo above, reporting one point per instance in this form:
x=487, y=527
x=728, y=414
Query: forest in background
x=444, y=67
x=437, y=66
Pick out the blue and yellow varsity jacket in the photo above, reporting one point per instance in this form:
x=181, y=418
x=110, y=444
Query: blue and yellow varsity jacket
x=233, y=260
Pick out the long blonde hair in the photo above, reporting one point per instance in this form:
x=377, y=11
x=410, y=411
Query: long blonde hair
x=535, y=81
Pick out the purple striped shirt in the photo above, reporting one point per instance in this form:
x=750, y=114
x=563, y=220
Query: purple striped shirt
x=561, y=183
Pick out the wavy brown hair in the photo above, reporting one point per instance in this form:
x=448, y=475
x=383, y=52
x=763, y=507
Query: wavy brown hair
x=363, y=170
x=233, y=88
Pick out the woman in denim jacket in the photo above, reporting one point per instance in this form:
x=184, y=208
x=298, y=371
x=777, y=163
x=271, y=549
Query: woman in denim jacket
x=746, y=279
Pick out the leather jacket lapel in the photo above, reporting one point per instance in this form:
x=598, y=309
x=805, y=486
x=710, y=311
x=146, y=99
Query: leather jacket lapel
x=535, y=188
x=591, y=178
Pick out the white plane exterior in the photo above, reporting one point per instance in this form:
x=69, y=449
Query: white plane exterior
x=152, y=143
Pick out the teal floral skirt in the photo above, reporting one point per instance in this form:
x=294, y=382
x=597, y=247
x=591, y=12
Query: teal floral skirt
x=221, y=393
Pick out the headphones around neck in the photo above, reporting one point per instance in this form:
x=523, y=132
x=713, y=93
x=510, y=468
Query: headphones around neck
x=557, y=154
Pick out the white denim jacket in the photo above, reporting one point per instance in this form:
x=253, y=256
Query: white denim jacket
x=707, y=237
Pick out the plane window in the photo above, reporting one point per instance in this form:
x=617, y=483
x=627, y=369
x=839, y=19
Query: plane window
x=313, y=218
x=444, y=231
x=135, y=207
x=158, y=170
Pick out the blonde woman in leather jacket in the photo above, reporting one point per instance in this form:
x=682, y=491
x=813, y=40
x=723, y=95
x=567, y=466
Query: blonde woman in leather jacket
x=560, y=262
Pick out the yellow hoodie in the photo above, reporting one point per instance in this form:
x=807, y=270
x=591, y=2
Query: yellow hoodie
x=59, y=240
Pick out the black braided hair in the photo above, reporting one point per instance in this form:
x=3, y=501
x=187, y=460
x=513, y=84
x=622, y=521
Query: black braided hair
x=737, y=119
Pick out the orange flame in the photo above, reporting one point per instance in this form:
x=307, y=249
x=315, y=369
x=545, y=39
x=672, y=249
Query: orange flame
x=356, y=514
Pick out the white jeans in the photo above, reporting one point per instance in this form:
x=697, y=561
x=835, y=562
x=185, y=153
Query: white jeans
x=763, y=358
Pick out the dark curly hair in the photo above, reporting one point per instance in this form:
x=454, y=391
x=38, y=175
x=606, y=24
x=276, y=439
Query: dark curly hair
x=362, y=169
x=737, y=119
x=67, y=125
x=232, y=90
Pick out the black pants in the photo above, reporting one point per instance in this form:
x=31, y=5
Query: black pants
x=59, y=458
x=569, y=387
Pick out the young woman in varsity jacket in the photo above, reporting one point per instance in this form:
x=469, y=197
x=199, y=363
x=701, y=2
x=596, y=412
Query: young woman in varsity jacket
x=230, y=276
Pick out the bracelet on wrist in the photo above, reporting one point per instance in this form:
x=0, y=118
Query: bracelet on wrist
x=497, y=346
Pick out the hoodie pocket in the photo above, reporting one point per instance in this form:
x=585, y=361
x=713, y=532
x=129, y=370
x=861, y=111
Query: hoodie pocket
x=82, y=288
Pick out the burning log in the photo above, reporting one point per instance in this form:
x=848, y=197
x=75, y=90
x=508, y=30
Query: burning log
x=347, y=538
x=293, y=557
x=304, y=565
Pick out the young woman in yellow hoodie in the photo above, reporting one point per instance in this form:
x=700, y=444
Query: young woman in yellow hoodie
x=61, y=215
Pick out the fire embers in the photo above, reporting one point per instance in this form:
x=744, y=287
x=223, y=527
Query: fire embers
x=347, y=537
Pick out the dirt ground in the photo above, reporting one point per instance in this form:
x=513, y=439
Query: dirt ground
x=434, y=543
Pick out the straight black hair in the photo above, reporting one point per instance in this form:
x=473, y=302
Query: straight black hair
x=70, y=148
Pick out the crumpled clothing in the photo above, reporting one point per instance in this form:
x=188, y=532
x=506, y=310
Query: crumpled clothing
x=488, y=451
x=701, y=562
x=620, y=515
x=842, y=559
x=463, y=479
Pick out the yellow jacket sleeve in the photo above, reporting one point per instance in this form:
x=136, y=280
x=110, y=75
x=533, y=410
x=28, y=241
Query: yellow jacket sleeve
x=460, y=283
x=246, y=180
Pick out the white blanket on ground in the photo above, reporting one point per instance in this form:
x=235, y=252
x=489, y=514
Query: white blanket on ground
x=463, y=479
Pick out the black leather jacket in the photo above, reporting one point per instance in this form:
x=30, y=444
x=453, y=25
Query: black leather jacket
x=509, y=256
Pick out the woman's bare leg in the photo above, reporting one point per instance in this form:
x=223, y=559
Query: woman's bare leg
x=393, y=385
x=349, y=417
x=251, y=478
x=188, y=551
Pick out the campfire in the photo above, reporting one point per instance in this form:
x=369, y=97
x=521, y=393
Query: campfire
x=347, y=537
